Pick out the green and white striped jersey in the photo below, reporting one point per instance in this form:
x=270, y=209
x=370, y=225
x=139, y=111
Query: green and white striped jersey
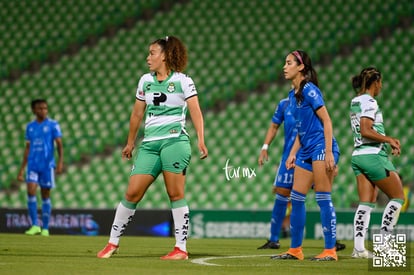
x=166, y=109
x=366, y=106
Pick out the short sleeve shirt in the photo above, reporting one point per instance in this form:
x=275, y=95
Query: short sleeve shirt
x=166, y=104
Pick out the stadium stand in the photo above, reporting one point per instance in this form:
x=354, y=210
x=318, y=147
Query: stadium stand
x=236, y=52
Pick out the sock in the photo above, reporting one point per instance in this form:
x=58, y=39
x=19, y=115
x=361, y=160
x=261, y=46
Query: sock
x=46, y=211
x=328, y=218
x=123, y=216
x=361, y=223
x=181, y=217
x=32, y=207
x=297, y=218
x=278, y=215
x=390, y=215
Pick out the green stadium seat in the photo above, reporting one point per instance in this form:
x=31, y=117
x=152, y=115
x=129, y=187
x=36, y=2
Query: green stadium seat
x=233, y=47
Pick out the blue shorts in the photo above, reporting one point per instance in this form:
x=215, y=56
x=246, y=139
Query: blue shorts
x=44, y=178
x=284, y=177
x=318, y=153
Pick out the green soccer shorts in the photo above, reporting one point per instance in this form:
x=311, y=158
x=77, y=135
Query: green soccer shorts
x=171, y=154
x=374, y=166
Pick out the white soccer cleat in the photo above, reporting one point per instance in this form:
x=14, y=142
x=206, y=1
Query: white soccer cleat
x=365, y=254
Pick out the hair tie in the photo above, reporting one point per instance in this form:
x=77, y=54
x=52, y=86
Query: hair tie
x=166, y=38
x=297, y=54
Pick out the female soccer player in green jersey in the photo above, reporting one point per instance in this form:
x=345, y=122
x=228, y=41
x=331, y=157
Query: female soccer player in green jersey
x=162, y=99
x=370, y=161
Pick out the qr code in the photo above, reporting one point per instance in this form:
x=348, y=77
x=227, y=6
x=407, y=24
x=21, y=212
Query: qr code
x=389, y=250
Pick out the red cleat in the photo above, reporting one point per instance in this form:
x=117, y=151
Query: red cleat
x=108, y=251
x=176, y=254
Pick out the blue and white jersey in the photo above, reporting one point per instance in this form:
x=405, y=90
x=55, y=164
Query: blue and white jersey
x=283, y=114
x=309, y=126
x=41, y=137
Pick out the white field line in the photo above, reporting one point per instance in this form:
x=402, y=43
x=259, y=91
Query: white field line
x=205, y=261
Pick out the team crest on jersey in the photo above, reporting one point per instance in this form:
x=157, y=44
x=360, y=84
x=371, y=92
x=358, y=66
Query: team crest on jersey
x=171, y=87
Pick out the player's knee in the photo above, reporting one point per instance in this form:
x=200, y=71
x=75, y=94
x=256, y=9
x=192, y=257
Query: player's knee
x=175, y=196
x=132, y=198
x=283, y=191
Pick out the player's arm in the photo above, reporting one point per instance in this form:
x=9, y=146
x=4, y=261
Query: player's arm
x=24, y=161
x=270, y=135
x=59, y=146
x=198, y=122
x=367, y=131
x=137, y=115
x=290, y=162
x=323, y=115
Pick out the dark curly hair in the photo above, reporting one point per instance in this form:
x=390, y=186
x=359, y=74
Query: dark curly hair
x=37, y=101
x=175, y=52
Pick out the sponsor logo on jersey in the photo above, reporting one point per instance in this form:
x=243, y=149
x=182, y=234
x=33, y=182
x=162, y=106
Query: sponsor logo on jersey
x=173, y=131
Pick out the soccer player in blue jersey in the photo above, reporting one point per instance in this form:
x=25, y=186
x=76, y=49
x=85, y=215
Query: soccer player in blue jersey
x=41, y=136
x=283, y=182
x=314, y=156
x=162, y=99
x=284, y=177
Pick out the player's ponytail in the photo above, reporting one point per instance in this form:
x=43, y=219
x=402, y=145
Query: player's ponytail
x=365, y=79
x=356, y=83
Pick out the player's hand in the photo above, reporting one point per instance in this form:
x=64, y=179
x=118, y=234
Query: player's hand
x=127, y=151
x=290, y=162
x=20, y=177
x=395, y=146
x=330, y=162
x=263, y=157
x=203, y=150
x=59, y=168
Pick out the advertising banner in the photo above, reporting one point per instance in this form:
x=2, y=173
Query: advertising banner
x=203, y=223
x=90, y=222
x=256, y=224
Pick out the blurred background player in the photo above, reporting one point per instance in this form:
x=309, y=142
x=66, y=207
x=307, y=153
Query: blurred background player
x=162, y=97
x=41, y=135
x=284, y=178
x=370, y=161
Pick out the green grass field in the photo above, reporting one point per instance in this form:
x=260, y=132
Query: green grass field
x=61, y=254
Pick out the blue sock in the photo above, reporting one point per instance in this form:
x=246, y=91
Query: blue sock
x=32, y=207
x=46, y=211
x=328, y=218
x=297, y=218
x=278, y=215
